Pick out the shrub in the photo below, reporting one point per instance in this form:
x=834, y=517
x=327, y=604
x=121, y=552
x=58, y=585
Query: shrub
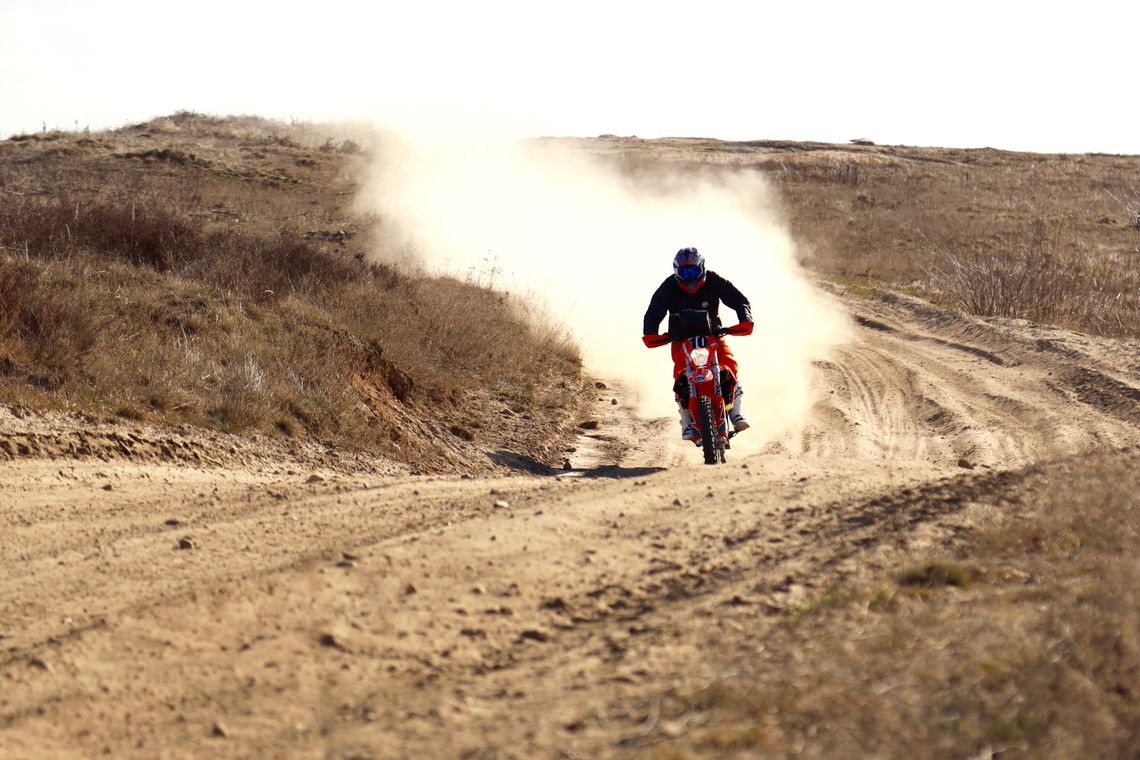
x=46, y=326
x=158, y=239
x=1043, y=282
x=171, y=271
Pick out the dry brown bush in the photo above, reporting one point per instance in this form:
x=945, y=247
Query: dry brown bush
x=152, y=237
x=46, y=326
x=1044, y=283
x=234, y=290
x=989, y=232
x=1129, y=201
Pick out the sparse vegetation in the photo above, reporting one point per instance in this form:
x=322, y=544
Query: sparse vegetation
x=1129, y=202
x=990, y=232
x=196, y=280
x=935, y=574
x=1015, y=238
x=1052, y=238
x=1044, y=283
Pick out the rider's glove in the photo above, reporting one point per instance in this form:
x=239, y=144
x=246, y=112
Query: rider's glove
x=744, y=328
x=647, y=340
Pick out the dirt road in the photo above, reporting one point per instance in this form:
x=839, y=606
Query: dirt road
x=232, y=608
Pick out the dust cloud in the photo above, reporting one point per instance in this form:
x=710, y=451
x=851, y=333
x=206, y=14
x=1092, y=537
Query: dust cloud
x=588, y=239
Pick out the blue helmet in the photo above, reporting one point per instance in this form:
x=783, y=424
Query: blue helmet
x=689, y=269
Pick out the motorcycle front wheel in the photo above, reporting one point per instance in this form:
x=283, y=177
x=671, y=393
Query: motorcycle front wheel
x=708, y=430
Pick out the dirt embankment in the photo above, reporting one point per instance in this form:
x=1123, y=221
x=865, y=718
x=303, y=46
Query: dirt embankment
x=244, y=608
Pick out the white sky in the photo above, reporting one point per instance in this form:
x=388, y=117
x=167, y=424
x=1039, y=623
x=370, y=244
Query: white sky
x=1040, y=76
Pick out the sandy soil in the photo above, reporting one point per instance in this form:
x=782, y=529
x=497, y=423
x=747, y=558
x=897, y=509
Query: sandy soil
x=174, y=595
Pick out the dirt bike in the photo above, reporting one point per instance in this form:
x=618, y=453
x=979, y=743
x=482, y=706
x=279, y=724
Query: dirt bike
x=703, y=386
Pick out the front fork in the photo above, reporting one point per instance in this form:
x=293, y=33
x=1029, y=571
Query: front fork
x=711, y=387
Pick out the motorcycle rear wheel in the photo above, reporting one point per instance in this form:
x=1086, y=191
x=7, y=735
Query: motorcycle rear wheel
x=708, y=430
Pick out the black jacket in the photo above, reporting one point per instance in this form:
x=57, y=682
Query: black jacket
x=670, y=298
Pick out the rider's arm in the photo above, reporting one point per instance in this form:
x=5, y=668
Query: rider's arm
x=658, y=308
x=734, y=299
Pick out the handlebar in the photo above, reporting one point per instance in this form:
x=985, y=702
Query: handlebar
x=653, y=341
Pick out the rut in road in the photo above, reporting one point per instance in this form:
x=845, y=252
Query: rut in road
x=522, y=616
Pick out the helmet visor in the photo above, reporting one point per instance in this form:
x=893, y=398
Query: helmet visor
x=690, y=273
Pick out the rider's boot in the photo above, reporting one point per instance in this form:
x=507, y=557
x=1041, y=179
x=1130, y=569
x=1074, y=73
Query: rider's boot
x=689, y=430
x=739, y=424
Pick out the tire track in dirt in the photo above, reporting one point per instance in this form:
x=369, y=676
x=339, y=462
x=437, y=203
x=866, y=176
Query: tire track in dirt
x=1012, y=407
x=278, y=524
x=516, y=617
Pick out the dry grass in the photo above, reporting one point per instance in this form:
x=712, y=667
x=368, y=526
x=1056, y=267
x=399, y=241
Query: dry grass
x=1128, y=200
x=992, y=233
x=1025, y=642
x=211, y=271
x=254, y=267
x=1044, y=282
x=1045, y=237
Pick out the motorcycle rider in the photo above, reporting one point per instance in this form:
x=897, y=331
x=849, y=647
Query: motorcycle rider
x=692, y=286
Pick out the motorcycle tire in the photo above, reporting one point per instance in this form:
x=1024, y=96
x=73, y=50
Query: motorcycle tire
x=708, y=430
